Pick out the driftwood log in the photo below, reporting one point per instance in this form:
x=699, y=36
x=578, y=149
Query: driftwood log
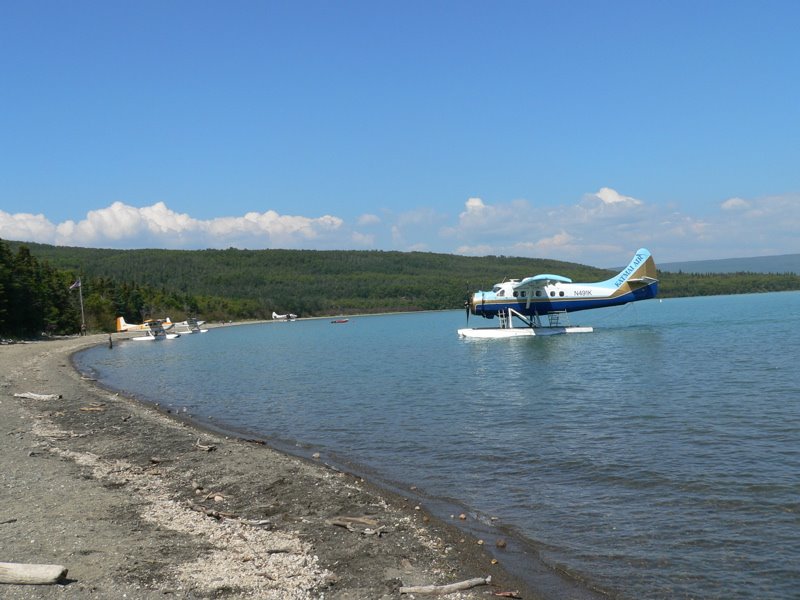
x=22, y=573
x=32, y=396
x=447, y=589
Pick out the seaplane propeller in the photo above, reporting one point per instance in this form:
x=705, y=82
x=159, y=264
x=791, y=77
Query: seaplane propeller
x=467, y=302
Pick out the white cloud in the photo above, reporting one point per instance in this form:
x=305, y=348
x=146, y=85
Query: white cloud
x=610, y=196
x=368, y=219
x=735, y=204
x=363, y=240
x=121, y=225
x=601, y=229
x=25, y=226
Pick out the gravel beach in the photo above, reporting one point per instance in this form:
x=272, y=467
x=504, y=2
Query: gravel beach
x=136, y=503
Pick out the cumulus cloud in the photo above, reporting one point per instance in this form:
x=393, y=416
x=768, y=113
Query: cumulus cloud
x=25, y=226
x=610, y=196
x=604, y=227
x=121, y=225
x=735, y=204
x=601, y=228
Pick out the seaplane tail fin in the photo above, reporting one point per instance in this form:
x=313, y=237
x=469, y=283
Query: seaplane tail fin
x=641, y=269
x=121, y=324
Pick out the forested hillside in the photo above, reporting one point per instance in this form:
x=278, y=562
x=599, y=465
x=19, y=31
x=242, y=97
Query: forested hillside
x=308, y=282
x=251, y=284
x=781, y=263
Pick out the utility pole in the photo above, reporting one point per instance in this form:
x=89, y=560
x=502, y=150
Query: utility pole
x=78, y=285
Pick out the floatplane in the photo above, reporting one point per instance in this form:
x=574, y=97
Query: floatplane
x=147, y=325
x=155, y=329
x=286, y=317
x=541, y=303
x=190, y=325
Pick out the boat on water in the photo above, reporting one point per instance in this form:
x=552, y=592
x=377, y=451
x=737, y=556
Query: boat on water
x=340, y=321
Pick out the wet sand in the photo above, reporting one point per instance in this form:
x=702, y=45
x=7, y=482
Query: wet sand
x=136, y=503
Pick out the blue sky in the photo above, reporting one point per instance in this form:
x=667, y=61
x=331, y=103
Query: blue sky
x=570, y=130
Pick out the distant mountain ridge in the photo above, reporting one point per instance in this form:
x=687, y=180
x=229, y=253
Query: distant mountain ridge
x=782, y=263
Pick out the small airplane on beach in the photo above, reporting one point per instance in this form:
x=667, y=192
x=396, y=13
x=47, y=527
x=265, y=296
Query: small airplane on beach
x=286, y=317
x=190, y=325
x=122, y=325
x=156, y=332
x=553, y=296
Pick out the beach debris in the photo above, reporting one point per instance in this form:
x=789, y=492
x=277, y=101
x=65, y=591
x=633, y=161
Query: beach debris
x=94, y=407
x=218, y=515
x=204, y=448
x=33, y=396
x=447, y=589
x=210, y=512
x=31, y=574
x=363, y=525
x=514, y=594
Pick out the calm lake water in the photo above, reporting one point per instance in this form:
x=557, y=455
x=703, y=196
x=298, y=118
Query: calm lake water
x=658, y=457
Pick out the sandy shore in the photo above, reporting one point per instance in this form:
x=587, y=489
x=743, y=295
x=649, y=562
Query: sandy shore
x=137, y=504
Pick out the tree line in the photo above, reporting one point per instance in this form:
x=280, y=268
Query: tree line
x=250, y=284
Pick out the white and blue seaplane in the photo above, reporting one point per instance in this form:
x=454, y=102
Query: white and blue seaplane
x=541, y=303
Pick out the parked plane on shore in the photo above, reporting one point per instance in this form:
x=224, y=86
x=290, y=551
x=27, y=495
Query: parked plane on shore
x=190, y=325
x=286, y=317
x=552, y=296
x=122, y=325
x=155, y=332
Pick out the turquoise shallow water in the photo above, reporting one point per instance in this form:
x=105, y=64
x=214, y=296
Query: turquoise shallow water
x=658, y=457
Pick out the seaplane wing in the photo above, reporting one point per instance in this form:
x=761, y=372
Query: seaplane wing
x=550, y=295
x=122, y=325
x=539, y=281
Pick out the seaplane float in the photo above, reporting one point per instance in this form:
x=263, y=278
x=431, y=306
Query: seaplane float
x=540, y=304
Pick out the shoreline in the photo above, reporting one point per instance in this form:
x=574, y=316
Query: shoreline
x=135, y=502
